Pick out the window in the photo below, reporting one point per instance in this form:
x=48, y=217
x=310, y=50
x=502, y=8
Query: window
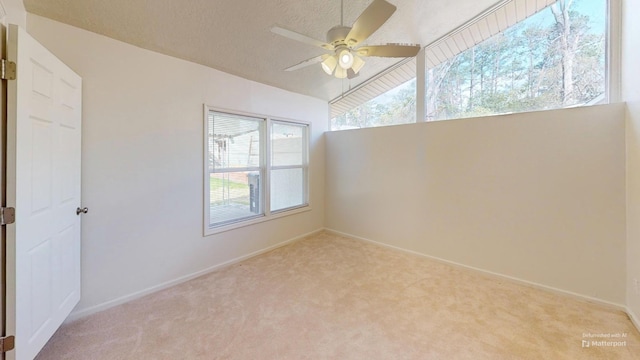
x=388, y=99
x=289, y=169
x=553, y=59
x=238, y=169
x=517, y=56
x=396, y=106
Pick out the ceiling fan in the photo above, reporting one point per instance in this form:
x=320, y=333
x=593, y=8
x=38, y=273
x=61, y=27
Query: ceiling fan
x=344, y=42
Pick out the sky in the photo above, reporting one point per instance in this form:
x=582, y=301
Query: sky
x=595, y=9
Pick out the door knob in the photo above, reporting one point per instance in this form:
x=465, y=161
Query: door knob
x=82, y=211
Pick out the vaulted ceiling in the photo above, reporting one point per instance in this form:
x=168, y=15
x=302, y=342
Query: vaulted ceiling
x=234, y=35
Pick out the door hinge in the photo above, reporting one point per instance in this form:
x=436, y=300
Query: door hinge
x=7, y=70
x=7, y=215
x=7, y=343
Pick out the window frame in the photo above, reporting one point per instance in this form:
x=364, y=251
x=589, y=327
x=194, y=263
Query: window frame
x=264, y=169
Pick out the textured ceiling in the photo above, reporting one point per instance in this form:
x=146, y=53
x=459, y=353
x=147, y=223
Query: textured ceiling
x=234, y=35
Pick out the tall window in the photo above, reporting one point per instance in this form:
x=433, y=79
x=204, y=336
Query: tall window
x=244, y=154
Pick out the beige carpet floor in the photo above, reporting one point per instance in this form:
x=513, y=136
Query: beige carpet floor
x=328, y=297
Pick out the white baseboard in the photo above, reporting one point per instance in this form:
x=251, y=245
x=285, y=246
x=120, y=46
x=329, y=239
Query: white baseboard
x=551, y=289
x=76, y=315
x=634, y=318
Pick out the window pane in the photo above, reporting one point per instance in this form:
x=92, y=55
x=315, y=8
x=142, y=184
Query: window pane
x=288, y=142
x=287, y=188
x=234, y=196
x=234, y=141
x=396, y=106
x=553, y=59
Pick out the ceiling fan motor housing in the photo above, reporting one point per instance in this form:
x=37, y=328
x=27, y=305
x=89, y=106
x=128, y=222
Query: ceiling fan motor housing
x=337, y=35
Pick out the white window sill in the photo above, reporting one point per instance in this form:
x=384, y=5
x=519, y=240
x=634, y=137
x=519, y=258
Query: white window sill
x=242, y=223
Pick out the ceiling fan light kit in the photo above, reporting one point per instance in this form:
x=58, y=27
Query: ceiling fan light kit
x=341, y=73
x=358, y=63
x=346, y=43
x=329, y=64
x=346, y=58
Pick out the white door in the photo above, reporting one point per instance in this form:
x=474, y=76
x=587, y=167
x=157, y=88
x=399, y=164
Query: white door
x=43, y=184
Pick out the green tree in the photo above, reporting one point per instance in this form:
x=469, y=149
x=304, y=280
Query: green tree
x=544, y=62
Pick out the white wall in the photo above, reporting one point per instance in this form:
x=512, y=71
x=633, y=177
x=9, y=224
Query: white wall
x=143, y=162
x=631, y=94
x=536, y=196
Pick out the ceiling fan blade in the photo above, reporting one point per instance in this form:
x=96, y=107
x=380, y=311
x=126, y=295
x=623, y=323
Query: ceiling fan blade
x=299, y=37
x=369, y=21
x=309, y=62
x=389, y=50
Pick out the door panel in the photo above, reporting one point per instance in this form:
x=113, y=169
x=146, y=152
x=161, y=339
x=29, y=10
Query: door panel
x=43, y=184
